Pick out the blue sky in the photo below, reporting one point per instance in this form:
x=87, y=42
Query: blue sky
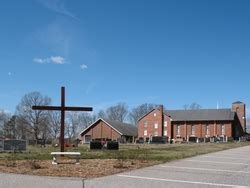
x=105, y=52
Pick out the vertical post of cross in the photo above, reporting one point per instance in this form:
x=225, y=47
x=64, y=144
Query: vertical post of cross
x=62, y=117
x=62, y=108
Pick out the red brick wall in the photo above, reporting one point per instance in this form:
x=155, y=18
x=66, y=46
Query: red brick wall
x=101, y=130
x=151, y=119
x=200, y=129
x=240, y=110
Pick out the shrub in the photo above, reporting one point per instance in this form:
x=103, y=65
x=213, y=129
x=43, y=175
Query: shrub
x=112, y=145
x=34, y=165
x=96, y=144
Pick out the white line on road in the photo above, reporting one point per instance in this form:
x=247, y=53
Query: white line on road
x=218, y=157
x=236, y=151
x=180, y=181
x=233, y=155
x=206, y=169
x=216, y=162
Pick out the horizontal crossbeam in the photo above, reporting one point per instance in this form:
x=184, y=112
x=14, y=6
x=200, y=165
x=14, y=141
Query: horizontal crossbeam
x=59, y=108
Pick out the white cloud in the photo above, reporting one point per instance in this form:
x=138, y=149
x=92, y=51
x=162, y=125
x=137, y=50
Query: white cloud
x=57, y=60
x=57, y=6
x=83, y=66
x=41, y=61
x=53, y=59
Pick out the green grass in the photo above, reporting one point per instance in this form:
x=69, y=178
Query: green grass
x=162, y=153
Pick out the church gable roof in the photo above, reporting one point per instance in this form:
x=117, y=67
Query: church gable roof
x=122, y=128
x=202, y=115
x=165, y=114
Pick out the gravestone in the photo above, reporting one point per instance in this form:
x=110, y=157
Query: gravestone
x=14, y=145
x=159, y=139
x=41, y=142
x=192, y=139
x=1, y=145
x=207, y=139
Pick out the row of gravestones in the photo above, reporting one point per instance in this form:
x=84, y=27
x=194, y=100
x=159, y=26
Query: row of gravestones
x=13, y=145
x=110, y=145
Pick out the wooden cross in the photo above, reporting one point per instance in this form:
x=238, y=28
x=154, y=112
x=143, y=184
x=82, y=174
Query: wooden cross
x=62, y=108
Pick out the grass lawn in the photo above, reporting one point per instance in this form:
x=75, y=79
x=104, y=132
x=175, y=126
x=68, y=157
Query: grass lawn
x=158, y=152
x=97, y=163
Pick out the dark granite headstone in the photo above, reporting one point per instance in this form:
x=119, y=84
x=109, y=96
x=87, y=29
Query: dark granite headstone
x=1, y=145
x=159, y=139
x=192, y=139
x=15, y=145
x=207, y=139
x=41, y=142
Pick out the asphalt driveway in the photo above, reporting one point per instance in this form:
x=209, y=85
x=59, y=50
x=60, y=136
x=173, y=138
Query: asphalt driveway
x=229, y=168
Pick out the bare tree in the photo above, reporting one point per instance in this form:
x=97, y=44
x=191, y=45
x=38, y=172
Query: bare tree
x=248, y=125
x=193, y=106
x=54, y=123
x=71, y=125
x=44, y=128
x=76, y=122
x=85, y=119
x=117, y=112
x=139, y=111
x=101, y=114
x=34, y=121
x=22, y=129
x=185, y=106
x=10, y=129
x=4, y=118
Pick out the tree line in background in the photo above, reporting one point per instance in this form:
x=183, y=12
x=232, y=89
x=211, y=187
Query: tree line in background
x=39, y=124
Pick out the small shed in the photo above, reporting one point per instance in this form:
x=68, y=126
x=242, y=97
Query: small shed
x=104, y=129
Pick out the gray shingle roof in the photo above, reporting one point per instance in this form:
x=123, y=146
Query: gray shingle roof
x=124, y=128
x=201, y=115
x=238, y=102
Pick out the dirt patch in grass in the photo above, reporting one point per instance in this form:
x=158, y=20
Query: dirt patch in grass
x=37, y=161
x=88, y=168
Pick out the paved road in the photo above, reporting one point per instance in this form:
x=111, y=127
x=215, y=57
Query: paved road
x=27, y=181
x=230, y=168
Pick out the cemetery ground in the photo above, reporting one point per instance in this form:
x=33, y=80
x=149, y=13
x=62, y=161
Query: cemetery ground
x=96, y=163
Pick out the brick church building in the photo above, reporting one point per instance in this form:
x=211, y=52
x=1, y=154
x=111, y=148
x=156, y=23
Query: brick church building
x=187, y=124
x=104, y=129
